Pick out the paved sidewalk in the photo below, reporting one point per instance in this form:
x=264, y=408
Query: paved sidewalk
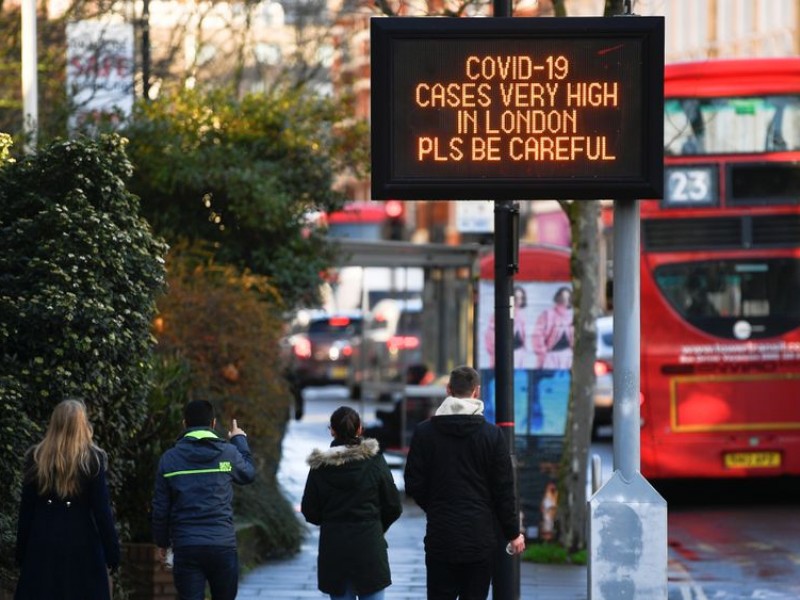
x=296, y=578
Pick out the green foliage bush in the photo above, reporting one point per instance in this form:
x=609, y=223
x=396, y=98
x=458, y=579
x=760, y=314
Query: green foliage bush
x=79, y=273
x=244, y=174
x=171, y=376
x=552, y=553
x=217, y=320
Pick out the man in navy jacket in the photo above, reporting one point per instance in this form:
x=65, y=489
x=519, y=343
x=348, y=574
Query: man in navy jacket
x=192, y=505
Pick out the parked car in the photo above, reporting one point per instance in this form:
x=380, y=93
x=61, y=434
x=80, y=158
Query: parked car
x=391, y=343
x=318, y=350
x=604, y=372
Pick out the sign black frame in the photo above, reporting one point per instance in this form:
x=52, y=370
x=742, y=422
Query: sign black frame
x=646, y=181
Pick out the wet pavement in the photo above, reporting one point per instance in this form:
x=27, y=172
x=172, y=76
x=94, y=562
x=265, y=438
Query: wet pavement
x=296, y=578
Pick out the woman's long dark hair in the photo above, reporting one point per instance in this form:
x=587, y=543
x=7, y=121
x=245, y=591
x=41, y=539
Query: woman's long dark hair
x=345, y=425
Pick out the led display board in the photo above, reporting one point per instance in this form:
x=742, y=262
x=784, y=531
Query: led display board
x=517, y=108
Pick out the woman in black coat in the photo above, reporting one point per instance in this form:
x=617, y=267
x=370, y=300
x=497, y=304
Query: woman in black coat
x=66, y=539
x=351, y=494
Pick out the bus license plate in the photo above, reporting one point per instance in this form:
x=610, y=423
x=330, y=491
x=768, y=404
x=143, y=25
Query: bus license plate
x=752, y=460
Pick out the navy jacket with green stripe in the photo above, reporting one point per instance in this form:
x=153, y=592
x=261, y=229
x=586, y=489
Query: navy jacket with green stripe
x=192, y=504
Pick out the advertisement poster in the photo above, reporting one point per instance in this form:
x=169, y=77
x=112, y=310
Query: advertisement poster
x=542, y=344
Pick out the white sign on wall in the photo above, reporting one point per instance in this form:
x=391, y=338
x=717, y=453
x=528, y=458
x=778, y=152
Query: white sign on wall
x=475, y=216
x=100, y=69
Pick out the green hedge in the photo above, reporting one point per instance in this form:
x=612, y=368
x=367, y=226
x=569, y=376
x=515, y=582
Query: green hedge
x=79, y=273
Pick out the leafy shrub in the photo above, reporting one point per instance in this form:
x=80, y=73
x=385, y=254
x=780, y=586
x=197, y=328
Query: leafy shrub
x=162, y=424
x=18, y=432
x=219, y=321
x=79, y=272
x=244, y=173
x=553, y=554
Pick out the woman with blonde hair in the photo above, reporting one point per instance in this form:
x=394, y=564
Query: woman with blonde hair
x=66, y=539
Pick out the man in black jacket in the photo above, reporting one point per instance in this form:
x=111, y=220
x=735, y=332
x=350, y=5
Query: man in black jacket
x=192, y=505
x=459, y=472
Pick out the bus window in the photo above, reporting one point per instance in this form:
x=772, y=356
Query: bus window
x=731, y=125
x=714, y=295
x=355, y=231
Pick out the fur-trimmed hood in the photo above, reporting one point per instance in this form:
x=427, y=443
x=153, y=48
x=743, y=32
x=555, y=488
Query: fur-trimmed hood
x=337, y=456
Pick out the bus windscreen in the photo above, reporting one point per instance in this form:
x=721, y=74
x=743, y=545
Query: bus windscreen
x=733, y=298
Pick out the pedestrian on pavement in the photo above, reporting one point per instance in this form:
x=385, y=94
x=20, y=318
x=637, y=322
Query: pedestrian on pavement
x=192, y=504
x=67, y=544
x=459, y=472
x=351, y=495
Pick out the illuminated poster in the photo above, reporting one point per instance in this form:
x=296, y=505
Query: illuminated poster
x=542, y=347
x=517, y=108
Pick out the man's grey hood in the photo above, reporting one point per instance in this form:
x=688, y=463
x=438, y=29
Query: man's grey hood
x=340, y=455
x=460, y=406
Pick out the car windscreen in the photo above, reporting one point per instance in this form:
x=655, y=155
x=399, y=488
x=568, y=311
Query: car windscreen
x=410, y=322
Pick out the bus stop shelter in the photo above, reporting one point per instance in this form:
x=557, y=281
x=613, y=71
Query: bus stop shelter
x=448, y=314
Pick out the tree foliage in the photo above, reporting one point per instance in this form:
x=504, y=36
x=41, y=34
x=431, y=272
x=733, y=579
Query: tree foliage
x=53, y=105
x=79, y=272
x=216, y=322
x=244, y=175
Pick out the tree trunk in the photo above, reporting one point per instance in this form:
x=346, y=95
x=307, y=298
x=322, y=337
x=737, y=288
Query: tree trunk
x=583, y=218
x=584, y=226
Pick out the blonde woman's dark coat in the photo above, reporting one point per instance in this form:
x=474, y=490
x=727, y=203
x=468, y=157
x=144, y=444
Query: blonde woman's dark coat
x=66, y=545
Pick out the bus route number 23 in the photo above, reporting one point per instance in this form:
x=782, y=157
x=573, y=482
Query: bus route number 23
x=690, y=186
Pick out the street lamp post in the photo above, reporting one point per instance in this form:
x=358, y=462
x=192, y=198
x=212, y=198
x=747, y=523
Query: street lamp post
x=30, y=84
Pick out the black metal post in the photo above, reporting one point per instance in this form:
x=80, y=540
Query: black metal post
x=506, y=580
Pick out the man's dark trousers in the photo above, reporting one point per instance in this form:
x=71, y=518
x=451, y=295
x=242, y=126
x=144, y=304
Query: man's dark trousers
x=463, y=581
x=194, y=565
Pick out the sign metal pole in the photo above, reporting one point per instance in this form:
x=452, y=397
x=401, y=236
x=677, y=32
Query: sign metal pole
x=506, y=580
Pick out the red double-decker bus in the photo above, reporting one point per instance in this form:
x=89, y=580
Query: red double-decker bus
x=367, y=221
x=720, y=275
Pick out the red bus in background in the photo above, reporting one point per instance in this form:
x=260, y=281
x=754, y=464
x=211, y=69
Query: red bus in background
x=720, y=275
x=375, y=220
